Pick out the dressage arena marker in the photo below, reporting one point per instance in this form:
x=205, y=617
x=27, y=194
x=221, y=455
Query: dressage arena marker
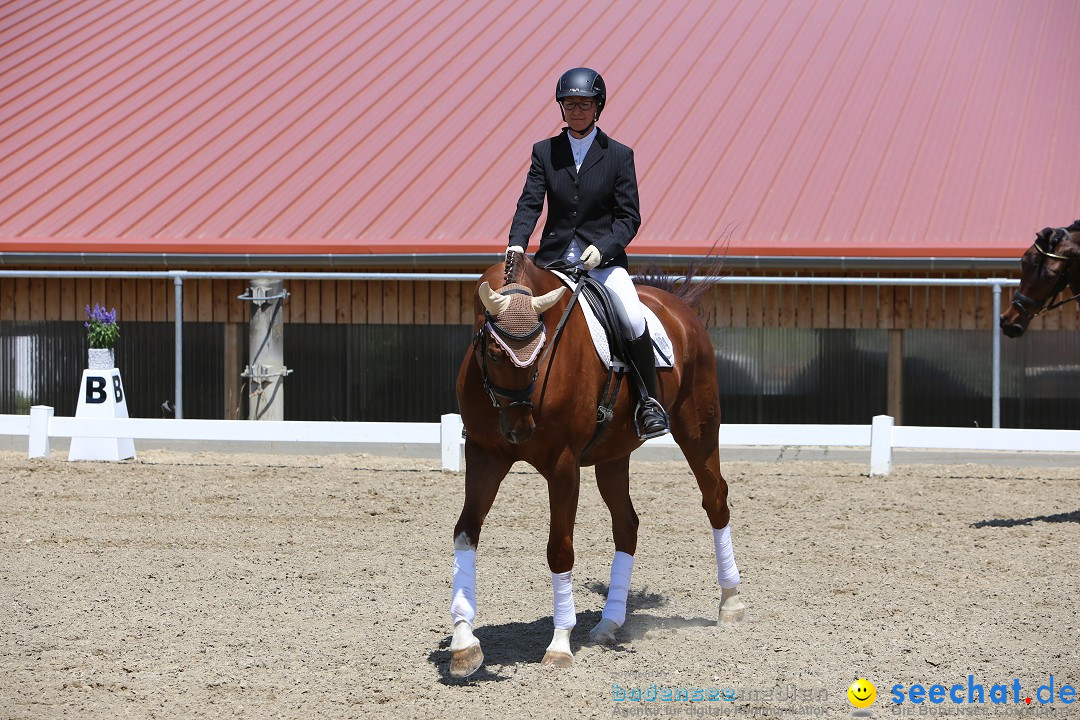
x=101, y=395
x=880, y=438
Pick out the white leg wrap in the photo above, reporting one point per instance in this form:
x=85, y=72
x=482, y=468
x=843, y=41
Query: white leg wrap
x=622, y=567
x=565, y=614
x=463, y=603
x=727, y=574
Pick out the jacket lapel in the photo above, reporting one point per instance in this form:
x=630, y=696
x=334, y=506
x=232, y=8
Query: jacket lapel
x=596, y=151
x=562, y=156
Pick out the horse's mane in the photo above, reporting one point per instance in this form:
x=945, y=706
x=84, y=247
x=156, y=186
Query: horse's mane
x=680, y=285
x=512, y=268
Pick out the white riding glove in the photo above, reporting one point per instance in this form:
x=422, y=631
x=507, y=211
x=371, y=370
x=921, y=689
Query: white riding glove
x=591, y=257
x=515, y=248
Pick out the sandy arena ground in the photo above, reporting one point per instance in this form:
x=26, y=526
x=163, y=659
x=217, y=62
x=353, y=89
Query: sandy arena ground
x=200, y=585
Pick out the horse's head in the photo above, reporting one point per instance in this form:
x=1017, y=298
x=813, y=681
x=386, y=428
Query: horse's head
x=1051, y=263
x=508, y=350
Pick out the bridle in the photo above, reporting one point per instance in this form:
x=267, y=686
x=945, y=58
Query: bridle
x=519, y=397
x=1029, y=307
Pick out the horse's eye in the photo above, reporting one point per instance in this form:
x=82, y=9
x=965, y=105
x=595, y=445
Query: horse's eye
x=1051, y=269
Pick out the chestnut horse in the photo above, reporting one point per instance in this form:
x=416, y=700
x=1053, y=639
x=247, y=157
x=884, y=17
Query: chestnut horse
x=1046, y=268
x=529, y=389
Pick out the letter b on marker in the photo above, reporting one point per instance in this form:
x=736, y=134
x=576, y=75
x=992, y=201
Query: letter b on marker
x=95, y=390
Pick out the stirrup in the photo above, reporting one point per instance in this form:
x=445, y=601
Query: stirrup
x=656, y=407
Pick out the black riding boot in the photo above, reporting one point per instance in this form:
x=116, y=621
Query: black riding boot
x=651, y=419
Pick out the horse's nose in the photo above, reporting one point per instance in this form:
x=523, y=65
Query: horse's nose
x=1011, y=329
x=517, y=428
x=517, y=436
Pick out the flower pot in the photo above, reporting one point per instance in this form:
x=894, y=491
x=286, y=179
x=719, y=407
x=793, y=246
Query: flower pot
x=101, y=359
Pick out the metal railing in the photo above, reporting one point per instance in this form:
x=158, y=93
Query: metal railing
x=178, y=277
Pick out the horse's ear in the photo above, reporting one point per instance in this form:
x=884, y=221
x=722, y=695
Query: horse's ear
x=543, y=302
x=493, y=301
x=1068, y=245
x=1044, y=236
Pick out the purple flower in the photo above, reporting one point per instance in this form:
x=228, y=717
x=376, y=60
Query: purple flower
x=101, y=315
x=102, y=327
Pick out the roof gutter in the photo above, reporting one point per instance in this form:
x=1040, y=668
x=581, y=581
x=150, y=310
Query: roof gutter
x=262, y=261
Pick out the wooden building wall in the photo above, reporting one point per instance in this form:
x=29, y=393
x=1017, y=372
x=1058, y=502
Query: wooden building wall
x=439, y=303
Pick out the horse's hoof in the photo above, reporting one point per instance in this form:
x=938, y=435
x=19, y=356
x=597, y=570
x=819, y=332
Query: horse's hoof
x=732, y=611
x=557, y=659
x=604, y=632
x=465, y=662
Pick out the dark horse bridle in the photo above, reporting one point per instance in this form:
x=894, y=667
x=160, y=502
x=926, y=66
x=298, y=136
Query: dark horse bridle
x=521, y=397
x=1031, y=308
x=518, y=397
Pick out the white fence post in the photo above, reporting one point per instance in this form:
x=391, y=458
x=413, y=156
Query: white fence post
x=40, y=415
x=453, y=445
x=881, y=445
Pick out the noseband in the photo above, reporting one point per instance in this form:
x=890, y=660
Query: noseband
x=1031, y=308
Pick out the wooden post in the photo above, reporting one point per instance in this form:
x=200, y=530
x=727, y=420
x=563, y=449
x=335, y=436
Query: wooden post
x=895, y=393
x=233, y=368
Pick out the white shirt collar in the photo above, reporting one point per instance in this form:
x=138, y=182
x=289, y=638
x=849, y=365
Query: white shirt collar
x=581, y=147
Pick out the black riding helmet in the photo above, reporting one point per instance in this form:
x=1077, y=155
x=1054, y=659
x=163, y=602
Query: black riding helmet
x=582, y=82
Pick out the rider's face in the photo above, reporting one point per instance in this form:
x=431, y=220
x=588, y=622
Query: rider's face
x=579, y=112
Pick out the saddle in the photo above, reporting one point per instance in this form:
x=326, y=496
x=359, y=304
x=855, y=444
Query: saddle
x=610, y=327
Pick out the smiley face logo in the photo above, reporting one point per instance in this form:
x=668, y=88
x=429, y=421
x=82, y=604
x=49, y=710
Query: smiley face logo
x=862, y=693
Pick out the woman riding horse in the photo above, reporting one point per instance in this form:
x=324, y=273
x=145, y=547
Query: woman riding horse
x=592, y=215
x=529, y=387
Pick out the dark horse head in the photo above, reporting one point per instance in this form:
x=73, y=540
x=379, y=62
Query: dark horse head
x=1051, y=264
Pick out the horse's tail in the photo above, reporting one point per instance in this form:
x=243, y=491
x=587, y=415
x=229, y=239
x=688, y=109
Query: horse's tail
x=682, y=284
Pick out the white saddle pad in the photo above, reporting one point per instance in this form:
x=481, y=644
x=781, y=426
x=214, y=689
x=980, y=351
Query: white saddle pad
x=662, y=350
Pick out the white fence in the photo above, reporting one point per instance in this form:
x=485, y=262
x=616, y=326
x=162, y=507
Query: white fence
x=880, y=437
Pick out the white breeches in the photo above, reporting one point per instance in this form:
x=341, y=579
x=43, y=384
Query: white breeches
x=618, y=281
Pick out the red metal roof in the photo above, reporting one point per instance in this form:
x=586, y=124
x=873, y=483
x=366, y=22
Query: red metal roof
x=836, y=127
